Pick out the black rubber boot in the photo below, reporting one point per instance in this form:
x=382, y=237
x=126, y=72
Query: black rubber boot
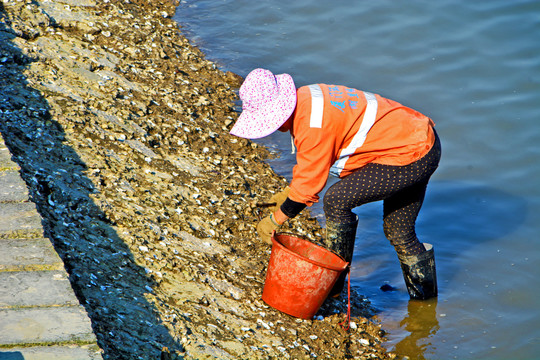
x=420, y=274
x=340, y=240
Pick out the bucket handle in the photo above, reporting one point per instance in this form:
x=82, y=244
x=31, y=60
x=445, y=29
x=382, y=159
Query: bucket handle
x=348, y=319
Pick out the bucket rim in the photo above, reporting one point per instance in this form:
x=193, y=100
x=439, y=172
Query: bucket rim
x=326, y=266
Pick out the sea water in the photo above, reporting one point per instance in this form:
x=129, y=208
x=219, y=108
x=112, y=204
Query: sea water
x=474, y=68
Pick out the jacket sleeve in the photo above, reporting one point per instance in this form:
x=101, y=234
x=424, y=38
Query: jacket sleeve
x=315, y=155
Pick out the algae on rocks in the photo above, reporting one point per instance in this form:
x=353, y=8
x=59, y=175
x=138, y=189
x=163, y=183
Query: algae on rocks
x=120, y=128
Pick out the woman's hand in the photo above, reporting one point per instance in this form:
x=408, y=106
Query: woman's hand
x=266, y=227
x=279, y=199
x=269, y=224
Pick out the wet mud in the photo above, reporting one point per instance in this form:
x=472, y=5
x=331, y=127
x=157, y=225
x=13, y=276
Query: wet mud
x=120, y=128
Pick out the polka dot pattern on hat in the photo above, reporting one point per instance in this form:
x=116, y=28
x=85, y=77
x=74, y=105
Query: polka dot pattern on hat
x=268, y=100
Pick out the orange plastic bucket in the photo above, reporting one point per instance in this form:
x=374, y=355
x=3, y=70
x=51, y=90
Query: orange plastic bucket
x=300, y=275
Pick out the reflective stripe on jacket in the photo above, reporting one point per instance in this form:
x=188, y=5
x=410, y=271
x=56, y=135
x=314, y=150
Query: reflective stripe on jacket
x=339, y=130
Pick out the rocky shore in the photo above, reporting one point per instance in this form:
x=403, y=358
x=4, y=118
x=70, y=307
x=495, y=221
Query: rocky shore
x=120, y=128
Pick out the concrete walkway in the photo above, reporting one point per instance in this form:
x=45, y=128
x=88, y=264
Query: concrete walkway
x=40, y=317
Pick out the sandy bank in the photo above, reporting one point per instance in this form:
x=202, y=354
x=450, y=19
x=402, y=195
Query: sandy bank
x=120, y=128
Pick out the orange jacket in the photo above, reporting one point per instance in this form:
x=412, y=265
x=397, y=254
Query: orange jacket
x=339, y=130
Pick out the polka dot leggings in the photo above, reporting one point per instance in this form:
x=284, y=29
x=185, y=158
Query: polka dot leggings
x=401, y=187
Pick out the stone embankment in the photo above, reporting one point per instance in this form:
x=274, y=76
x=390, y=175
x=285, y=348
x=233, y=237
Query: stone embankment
x=40, y=316
x=120, y=129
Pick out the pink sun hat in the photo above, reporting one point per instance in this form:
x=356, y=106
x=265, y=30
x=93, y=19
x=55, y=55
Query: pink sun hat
x=267, y=103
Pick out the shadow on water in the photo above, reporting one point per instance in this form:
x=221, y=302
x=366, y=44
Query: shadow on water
x=102, y=270
x=460, y=216
x=12, y=355
x=421, y=323
x=457, y=217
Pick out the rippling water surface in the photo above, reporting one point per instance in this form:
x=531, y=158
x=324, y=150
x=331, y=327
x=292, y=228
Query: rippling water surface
x=472, y=66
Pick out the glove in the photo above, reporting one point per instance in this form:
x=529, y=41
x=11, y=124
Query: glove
x=279, y=198
x=266, y=227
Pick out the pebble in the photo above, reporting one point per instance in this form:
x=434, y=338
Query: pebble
x=265, y=325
